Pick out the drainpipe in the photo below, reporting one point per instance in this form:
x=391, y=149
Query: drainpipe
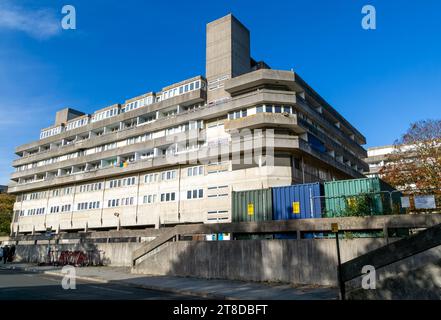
x=102, y=201
x=47, y=209
x=73, y=205
x=303, y=170
x=137, y=199
x=179, y=193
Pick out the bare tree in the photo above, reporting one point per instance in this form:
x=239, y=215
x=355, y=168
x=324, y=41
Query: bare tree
x=416, y=161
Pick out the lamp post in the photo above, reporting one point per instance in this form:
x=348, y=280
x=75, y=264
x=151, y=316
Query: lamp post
x=116, y=214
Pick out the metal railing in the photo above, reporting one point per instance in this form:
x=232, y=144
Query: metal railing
x=296, y=226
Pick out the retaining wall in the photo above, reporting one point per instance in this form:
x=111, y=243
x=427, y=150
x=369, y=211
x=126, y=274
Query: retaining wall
x=303, y=261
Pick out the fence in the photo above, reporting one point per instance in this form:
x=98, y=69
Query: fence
x=381, y=203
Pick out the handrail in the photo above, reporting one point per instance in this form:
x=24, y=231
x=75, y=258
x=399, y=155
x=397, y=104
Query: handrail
x=297, y=225
x=393, y=252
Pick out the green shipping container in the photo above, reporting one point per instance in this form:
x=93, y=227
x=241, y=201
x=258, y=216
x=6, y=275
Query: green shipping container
x=252, y=205
x=359, y=197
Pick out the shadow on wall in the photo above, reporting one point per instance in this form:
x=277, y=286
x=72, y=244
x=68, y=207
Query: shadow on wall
x=417, y=277
x=298, y=262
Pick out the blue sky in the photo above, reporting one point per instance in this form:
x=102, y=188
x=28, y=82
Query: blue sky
x=380, y=80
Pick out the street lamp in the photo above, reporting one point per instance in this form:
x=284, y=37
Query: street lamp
x=116, y=214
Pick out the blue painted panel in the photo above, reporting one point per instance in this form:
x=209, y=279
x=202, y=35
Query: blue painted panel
x=307, y=196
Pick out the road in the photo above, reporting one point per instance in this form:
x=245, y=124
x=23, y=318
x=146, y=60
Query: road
x=23, y=285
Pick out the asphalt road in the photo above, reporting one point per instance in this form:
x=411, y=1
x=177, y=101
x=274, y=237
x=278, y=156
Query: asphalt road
x=22, y=285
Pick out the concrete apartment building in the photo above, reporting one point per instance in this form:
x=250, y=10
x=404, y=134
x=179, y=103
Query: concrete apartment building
x=377, y=159
x=112, y=168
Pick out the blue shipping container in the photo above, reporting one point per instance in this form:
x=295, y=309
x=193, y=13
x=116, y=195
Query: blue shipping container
x=300, y=201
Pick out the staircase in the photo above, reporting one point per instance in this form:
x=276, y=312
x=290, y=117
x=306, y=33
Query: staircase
x=154, y=244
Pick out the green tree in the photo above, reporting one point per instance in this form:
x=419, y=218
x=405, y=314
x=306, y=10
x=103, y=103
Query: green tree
x=6, y=208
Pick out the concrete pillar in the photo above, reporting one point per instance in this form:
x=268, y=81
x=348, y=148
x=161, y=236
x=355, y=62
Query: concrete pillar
x=386, y=234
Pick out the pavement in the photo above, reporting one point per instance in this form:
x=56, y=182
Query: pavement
x=25, y=285
x=194, y=288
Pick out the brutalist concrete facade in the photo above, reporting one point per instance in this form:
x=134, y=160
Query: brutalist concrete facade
x=168, y=157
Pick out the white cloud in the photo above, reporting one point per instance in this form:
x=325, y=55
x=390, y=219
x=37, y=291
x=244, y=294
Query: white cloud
x=39, y=23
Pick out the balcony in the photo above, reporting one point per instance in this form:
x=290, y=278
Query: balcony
x=189, y=98
x=265, y=120
x=261, y=78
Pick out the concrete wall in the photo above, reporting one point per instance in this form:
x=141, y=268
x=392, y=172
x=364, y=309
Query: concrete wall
x=114, y=254
x=416, y=277
x=291, y=261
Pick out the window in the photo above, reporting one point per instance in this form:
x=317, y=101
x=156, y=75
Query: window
x=113, y=203
x=216, y=220
x=195, y=194
x=65, y=208
x=91, y=187
x=127, y=201
x=195, y=171
x=287, y=109
x=169, y=196
x=168, y=175
x=218, y=212
x=150, y=178
x=122, y=182
x=151, y=198
x=217, y=191
x=237, y=114
x=296, y=163
x=268, y=108
x=277, y=109
x=259, y=109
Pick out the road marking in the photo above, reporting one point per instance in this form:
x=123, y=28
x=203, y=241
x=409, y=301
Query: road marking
x=108, y=289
